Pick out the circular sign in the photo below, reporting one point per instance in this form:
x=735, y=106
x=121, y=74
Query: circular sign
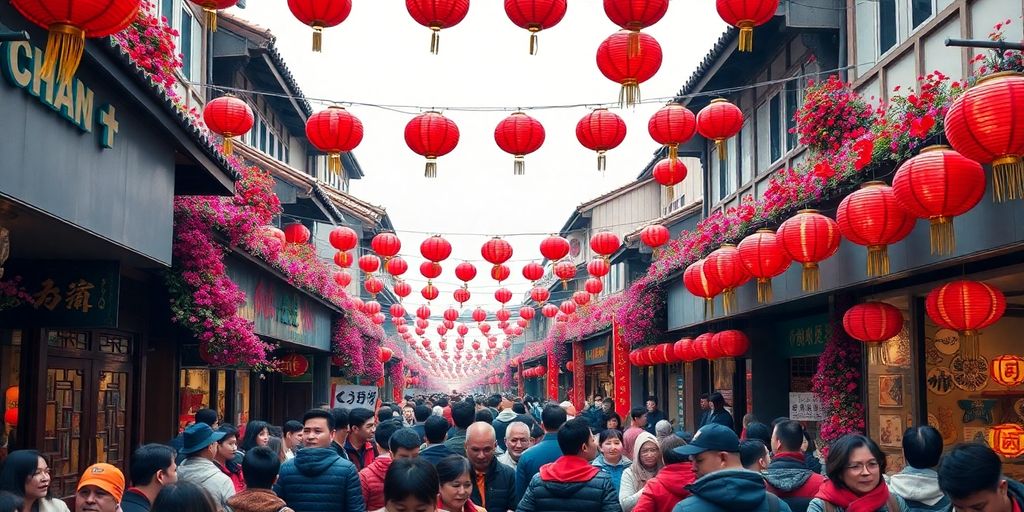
x=940, y=380
x=969, y=374
x=947, y=341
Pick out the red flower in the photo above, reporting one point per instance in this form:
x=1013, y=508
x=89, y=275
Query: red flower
x=824, y=170
x=919, y=127
x=864, y=148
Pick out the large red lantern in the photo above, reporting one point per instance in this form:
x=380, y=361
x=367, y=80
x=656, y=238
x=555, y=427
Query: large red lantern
x=683, y=350
x=725, y=270
x=719, y=121
x=605, y=244
x=496, y=251
x=731, y=343
x=598, y=267
x=373, y=286
x=397, y=310
x=320, y=14
x=275, y=233
x=432, y=135
x=581, y=298
x=627, y=64
x=451, y=314
x=423, y=313
x=519, y=135
x=809, y=237
x=985, y=124
x=763, y=257
x=341, y=258
x=669, y=173
x=939, y=184
x=503, y=315
x=436, y=249
x=635, y=16
x=369, y=263
x=293, y=365
x=549, y=310
x=1007, y=440
x=385, y=354
x=461, y=295
x=343, y=238
x=565, y=270
x=1008, y=370
x=342, y=278
x=296, y=233
x=671, y=126
x=696, y=281
x=593, y=286
x=533, y=271
x=479, y=315
x=334, y=131
x=430, y=270
x=371, y=308
x=402, y=289
x=437, y=15
x=535, y=15
x=69, y=23
x=228, y=117
x=873, y=323
x=502, y=295
x=874, y=218
x=702, y=346
x=430, y=292
x=600, y=131
x=396, y=266
x=567, y=307
x=465, y=271
x=554, y=247
x=655, y=235
x=386, y=245
x=746, y=15
x=966, y=307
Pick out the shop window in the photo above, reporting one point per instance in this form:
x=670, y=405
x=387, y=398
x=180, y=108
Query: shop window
x=193, y=395
x=891, y=389
x=242, y=397
x=10, y=375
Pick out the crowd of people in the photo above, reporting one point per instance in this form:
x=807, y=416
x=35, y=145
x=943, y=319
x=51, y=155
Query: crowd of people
x=500, y=454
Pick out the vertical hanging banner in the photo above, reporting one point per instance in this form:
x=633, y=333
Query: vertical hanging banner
x=552, y=377
x=579, y=368
x=621, y=370
x=520, y=381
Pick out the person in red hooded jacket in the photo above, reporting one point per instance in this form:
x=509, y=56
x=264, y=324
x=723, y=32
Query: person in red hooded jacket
x=394, y=442
x=664, y=491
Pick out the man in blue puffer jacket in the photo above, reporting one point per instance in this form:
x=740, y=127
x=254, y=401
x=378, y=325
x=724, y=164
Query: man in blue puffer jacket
x=317, y=479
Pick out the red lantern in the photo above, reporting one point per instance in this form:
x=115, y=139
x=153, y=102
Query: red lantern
x=11, y=417
x=502, y=295
x=605, y=243
x=320, y=14
x=226, y=116
x=341, y=258
x=442, y=330
x=629, y=59
x=671, y=126
x=725, y=270
x=697, y=283
x=598, y=267
x=334, y=131
x=873, y=323
x=635, y=16
x=274, y=233
x=396, y=266
x=549, y=310
x=540, y=295
x=533, y=271
x=342, y=278
x=669, y=173
x=371, y=308
x=809, y=237
x=461, y=295
x=763, y=257
x=479, y=315
x=484, y=327
x=683, y=350
x=702, y=346
x=436, y=249
x=565, y=270
x=984, y=124
x=966, y=307
x=296, y=233
x=397, y=310
x=500, y=272
x=731, y=343
x=451, y=314
x=745, y=16
x=582, y=298
x=69, y=23
x=373, y=285
x=386, y=245
x=519, y=135
x=496, y=251
x=1008, y=370
x=294, y=365
x=423, y=313
x=503, y=315
x=379, y=318
x=874, y=218
x=462, y=330
x=527, y=313
x=432, y=135
x=599, y=131
x=430, y=270
x=654, y=236
x=343, y=238
x=554, y=248
x=465, y=271
x=719, y=121
x=1007, y=440
x=402, y=289
x=430, y=292
x=535, y=15
x=939, y=184
x=437, y=15
x=568, y=307
x=369, y=263
x=594, y=286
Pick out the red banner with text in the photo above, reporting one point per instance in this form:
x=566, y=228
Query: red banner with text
x=552, y=378
x=621, y=372
x=520, y=381
x=579, y=366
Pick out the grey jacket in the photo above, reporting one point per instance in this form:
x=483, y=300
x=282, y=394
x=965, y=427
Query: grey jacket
x=206, y=474
x=920, y=489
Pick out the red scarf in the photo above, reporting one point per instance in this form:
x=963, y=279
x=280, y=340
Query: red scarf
x=850, y=502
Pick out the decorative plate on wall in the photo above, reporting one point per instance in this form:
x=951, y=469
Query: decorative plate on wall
x=969, y=374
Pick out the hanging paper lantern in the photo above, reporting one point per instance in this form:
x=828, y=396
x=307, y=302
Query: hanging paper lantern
x=763, y=257
x=635, y=16
x=594, y=286
x=581, y=297
x=461, y=295
x=369, y=263
x=697, y=283
x=939, y=184
x=873, y=217
x=476, y=345
x=654, y=236
x=554, y=248
x=629, y=59
x=402, y=289
x=341, y=258
x=462, y=330
x=549, y=310
x=746, y=15
x=437, y=15
x=724, y=270
x=985, y=124
x=669, y=173
x=436, y=249
x=373, y=286
x=1007, y=440
x=533, y=271
x=605, y=243
x=272, y=232
x=496, y=251
x=465, y=271
x=719, y=121
x=396, y=266
x=873, y=323
x=320, y=14
x=731, y=343
x=431, y=135
x=966, y=307
x=210, y=8
x=378, y=319
x=293, y=365
x=397, y=310
x=442, y=330
x=527, y=313
x=421, y=322
x=1008, y=370
x=371, y=308
x=228, y=117
x=502, y=295
x=567, y=307
x=565, y=270
x=430, y=292
x=342, y=278
x=430, y=270
x=684, y=350
x=535, y=15
x=386, y=245
x=503, y=314
x=702, y=346
x=451, y=314
x=598, y=267
x=69, y=23
x=479, y=315
x=519, y=135
x=484, y=327
x=11, y=417
x=343, y=238
x=809, y=237
x=671, y=126
x=296, y=233
x=334, y=131
x=599, y=131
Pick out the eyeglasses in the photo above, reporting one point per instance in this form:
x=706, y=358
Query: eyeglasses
x=872, y=466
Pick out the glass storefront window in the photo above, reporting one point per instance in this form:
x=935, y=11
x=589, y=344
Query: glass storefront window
x=10, y=375
x=221, y=407
x=193, y=395
x=241, y=397
x=722, y=371
x=892, y=395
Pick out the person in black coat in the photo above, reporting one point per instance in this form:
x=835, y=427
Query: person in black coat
x=717, y=414
x=435, y=432
x=317, y=479
x=494, y=484
x=571, y=483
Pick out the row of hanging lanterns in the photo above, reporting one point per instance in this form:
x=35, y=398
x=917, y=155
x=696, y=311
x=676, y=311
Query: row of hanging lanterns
x=710, y=346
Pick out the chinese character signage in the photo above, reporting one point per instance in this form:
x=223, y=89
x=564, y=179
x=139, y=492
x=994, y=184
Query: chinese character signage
x=805, y=407
x=351, y=397
x=596, y=351
x=66, y=293
x=804, y=337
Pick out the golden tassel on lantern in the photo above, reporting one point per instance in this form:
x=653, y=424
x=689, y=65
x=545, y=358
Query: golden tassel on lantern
x=969, y=344
x=1007, y=178
x=318, y=35
x=633, y=41
x=764, y=290
x=878, y=260
x=601, y=161
x=709, y=307
x=729, y=303
x=65, y=45
x=943, y=237
x=211, y=18
x=334, y=165
x=229, y=146
x=431, y=171
x=746, y=42
x=671, y=193
x=874, y=353
x=673, y=152
x=435, y=39
x=534, y=43
x=629, y=95
x=720, y=146
x=519, y=165
x=810, y=277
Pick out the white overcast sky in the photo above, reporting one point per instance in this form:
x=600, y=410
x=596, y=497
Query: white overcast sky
x=380, y=55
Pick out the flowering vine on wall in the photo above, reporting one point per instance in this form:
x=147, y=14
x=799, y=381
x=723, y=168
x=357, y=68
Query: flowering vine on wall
x=836, y=383
x=12, y=294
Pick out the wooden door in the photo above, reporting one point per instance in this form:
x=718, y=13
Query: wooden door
x=66, y=425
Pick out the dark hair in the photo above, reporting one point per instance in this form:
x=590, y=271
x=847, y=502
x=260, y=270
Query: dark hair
x=385, y=413
x=276, y=445
x=778, y=420
x=320, y=413
x=750, y=451
x=462, y=414
x=650, y=398
x=359, y=416
x=147, y=460
x=452, y=467
x=573, y=435
x=404, y=438
x=493, y=400
x=529, y=399
x=184, y=496
x=839, y=456
x=668, y=450
x=553, y=417
x=414, y=477
x=717, y=400
x=442, y=402
x=10, y=502
x=260, y=467
x=385, y=430
x=614, y=415
x=969, y=468
x=421, y=412
x=761, y=432
x=252, y=431
x=607, y=434
x=536, y=431
x=18, y=467
x=811, y=447
x=208, y=416
x=704, y=396
x=435, y=428
x=637, y=412
x=291, y=426
x=790, y=435
x=922, y=446
x=484, y=415
x=518, y=408
x=229, y=432
x=339, y=418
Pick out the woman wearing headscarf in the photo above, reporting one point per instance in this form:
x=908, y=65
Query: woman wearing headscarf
x=647, y=461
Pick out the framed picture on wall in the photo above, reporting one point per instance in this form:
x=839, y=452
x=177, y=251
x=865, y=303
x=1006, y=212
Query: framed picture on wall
x=890, y=430
x=890, y=390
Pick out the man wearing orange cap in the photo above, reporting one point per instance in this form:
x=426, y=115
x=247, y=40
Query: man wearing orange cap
x=100, y=489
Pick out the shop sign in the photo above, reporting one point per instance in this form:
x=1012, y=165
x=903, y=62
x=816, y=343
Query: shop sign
x=805, y=407
x=21, y=63
x=804, y=337
x=596, y=351
x=66, y=293
x=351, y=397
x=298, y=362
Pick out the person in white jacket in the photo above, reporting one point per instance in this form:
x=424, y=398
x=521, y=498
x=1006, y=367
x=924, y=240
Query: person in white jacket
x=647, y=461
x=200, y=446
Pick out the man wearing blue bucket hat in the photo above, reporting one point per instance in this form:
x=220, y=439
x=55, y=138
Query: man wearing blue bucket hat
x=199, y=447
